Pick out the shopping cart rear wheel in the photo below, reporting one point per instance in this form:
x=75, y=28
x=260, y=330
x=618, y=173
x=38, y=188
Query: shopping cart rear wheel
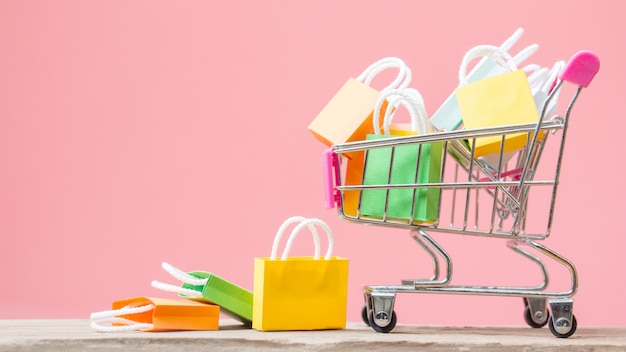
x=531, y=322
x=366, y=320
x=386, y=328
x=536, y=316
x=561, y=334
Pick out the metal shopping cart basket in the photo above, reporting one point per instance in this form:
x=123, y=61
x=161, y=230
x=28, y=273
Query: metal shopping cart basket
x=472, y=198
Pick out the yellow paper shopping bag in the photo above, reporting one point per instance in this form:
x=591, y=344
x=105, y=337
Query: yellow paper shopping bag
x=300, y=293
x=156, y=314
x=448, y=117
x=504, y=99
x=347, y=116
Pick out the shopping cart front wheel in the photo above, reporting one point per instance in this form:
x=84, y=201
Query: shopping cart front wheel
x=562, y=328
x=376, y=316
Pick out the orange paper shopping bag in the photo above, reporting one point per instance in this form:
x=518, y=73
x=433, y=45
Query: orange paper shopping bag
x=300, y=293
x=156, y=314
x=348, y=115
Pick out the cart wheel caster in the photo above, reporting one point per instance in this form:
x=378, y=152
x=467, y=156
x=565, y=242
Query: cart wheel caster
x=531, y=322
x=386, y=328
x=364, y=316
x=557, y=329
x=535, y=315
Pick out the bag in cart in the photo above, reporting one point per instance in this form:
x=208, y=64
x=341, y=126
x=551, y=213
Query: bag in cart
x=401, y=165
x=504, y=99
x=347, y=116
x=515, y=96
x=448, y=117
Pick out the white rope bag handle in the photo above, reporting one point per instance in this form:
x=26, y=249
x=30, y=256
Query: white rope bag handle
x=543, y=79
x=498, y=54
x=501, y=57
x=184, y=278
x=310, y=223
x=554, y=73
x=402, y=80
x=508, y=44
x=412, y=100
x=537, y=76
x=524, y=53
x=545, y=89
x=283, y=227
x=103, y=321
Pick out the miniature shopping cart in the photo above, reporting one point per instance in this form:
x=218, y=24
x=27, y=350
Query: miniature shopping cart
x=506, y=197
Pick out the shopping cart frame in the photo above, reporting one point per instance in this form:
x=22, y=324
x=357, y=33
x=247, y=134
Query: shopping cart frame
x=509, y=203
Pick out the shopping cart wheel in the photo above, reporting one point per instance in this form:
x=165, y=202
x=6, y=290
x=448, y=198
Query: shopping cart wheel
x=559, y=329
x=536, y=313
x=364, y=315
x=528, y=317
x=386, y=328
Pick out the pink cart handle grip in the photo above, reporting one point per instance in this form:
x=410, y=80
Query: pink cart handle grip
x=581, y=68
x=329, y=161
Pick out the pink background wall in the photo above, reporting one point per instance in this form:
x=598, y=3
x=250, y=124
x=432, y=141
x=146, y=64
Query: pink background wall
x=136, y=132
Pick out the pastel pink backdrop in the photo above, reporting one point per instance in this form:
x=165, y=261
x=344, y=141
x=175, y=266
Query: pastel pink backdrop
x=136, y=132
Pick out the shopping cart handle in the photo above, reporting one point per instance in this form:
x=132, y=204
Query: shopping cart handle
x=329, y=161
x=581, y=68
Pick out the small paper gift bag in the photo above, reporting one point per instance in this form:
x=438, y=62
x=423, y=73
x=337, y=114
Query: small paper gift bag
x=203, y=286
x=347, y=116
x=448, y=117
x=407, y=164
x=355, y=164
x=300, y=293
x=504, y=99
x=156, y=314
x=541, y=81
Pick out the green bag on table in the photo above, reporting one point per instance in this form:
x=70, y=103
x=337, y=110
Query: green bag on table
x=203, y=286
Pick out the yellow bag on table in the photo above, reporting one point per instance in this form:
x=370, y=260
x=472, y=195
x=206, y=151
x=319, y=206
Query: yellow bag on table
x=300, y=293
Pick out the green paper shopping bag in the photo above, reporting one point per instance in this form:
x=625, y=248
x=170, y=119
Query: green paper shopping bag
x=203, y=286
x=300, y=293
x=347, y=116
x=504, y=99
x=355, y=164
x=156, y=314
x=407, y=164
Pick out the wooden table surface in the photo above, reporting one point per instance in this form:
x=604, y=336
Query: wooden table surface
x=77, y=335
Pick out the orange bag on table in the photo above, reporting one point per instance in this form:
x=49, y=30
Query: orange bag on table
x=156, y=314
